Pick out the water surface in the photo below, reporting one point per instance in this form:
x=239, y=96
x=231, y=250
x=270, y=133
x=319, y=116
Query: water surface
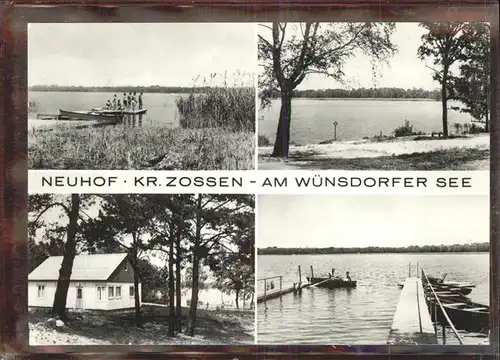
x=312, y=119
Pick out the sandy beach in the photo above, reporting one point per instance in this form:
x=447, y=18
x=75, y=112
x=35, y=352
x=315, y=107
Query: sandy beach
x=472, y=153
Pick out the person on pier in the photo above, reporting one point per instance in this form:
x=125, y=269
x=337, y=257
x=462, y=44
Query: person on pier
x=124, y=99
x=140, y=101
x=348, y=277
x=114, y=102
x=108, y=105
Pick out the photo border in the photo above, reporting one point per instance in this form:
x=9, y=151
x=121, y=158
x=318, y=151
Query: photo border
x=14, y=18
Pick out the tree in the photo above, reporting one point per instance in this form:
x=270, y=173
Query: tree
x=72, y=209
x=472, y=85
x=444, y=44
x=124, y=220
x=213, y=228
x=295, y=51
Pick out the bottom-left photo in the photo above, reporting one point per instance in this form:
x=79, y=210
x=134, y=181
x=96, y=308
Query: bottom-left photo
x=141, y=269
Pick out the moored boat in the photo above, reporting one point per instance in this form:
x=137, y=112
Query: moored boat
x=89, y=115
x=468, y=316
x=463, y=289
x=332, y=283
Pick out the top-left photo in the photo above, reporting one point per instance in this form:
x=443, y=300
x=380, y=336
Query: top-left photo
x=141, y=96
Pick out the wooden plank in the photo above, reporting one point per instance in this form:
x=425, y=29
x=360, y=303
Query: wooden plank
x=412, y=322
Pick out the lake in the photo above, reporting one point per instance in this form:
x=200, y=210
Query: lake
x=355, y=316
x=312, y=119
x=162, y=110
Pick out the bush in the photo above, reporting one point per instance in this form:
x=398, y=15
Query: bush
x=226, y=107
x=263, y=141
x=405, y=130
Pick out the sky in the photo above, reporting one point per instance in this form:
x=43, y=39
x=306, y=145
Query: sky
x=405, y=70
x=362, y=221
x=138, y=54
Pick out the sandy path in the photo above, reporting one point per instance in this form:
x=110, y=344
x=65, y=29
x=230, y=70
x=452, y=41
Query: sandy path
x=368, y=149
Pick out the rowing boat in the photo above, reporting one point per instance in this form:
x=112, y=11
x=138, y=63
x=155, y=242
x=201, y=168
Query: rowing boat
x=332, y=283
x=468, y=316
x=89, y=115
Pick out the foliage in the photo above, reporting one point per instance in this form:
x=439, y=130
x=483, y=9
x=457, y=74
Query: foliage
x=228, y=108
x=294, y=51
x=263, y=141
x=473, y=247
x=449, y=43
x=472, y=85
x=364, y=93
x=404, y=130
x=38, y=252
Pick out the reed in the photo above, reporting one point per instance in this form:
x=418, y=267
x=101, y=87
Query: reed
x=231, y=108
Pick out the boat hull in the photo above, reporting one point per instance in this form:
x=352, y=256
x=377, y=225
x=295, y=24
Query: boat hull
x=469, y=316
x=89, y=115
x=335, y=283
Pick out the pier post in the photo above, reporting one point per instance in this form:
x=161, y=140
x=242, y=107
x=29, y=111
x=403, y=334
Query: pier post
x=335, y=130
x=409, y=269
x=444, y=335
x=417, y=271
x=312, y=274
x=300, y=276
x=281, y=287
x=435, y=315
x=265, y=290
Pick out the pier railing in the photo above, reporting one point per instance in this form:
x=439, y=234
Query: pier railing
x=434, y=306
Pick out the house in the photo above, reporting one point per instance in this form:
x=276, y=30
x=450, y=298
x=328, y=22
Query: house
x=98, y=282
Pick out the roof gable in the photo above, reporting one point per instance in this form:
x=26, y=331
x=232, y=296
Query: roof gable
x=85, y=267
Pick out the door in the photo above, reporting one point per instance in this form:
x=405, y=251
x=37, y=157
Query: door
x=79, y=298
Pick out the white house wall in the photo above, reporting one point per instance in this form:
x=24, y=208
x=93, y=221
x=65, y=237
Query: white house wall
x=90, y=299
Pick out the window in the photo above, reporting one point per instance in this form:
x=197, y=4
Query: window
x=101, y=293
x=111, y=292
x=118, y=291
x=131, y=291
x=79, y=293
x=41, y=291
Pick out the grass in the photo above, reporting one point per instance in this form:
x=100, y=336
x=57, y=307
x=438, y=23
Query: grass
x=448, y=159
x=122, y=148
x=213, y=327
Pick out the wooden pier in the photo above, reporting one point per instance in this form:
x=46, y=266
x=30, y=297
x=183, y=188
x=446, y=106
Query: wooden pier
x=412, y=322
x=281, y=290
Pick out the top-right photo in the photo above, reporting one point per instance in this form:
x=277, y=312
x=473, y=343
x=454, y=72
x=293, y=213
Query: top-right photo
x=374, y=96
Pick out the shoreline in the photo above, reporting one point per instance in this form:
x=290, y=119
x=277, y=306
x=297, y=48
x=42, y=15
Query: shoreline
x=417, y=152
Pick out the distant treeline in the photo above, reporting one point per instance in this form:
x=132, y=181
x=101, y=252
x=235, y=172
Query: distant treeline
x=122, y=89
x=475, y=247
x=376, y=93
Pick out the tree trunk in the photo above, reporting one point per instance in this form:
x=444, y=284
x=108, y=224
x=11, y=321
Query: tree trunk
x=61, y=295
x=251, y=302
x=444, y=101
x=195, y=271
x=178, y=313
x=194, y=296
x=236, y=299
x=171, y=287
x=282, y=142
x=135, y=264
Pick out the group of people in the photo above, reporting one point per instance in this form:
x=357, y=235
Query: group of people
x=347, y=276
x=130, y=101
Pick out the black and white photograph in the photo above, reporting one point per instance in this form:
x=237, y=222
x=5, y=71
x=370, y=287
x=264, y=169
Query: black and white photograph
x=373, y=270
x=141, y=269
x=142, y=96
x=374, y=96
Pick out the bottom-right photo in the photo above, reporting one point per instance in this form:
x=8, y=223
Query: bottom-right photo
x=346, y=270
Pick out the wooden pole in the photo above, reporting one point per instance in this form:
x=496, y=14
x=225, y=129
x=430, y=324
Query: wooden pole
x=417, y=271
x=265, y=291
x=300, y=276
x=444, y=335
x=312, y=273
x=281, y=287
